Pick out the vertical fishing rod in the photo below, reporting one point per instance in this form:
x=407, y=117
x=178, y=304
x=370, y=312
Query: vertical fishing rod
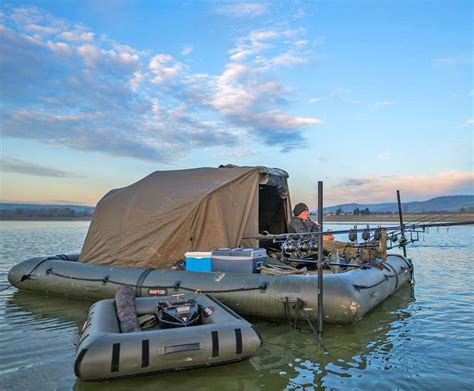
x=402, y=227
x=320, y=259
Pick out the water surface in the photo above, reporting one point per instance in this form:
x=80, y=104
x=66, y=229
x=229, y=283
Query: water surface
x=420, y=338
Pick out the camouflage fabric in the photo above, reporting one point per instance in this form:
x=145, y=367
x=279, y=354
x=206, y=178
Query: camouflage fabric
x=147, y=321
x=353, y=253
x=298, y=225
x=126, y=311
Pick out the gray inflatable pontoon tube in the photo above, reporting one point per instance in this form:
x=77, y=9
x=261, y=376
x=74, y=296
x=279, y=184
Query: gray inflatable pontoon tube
x=104, y=353
x=347, y=295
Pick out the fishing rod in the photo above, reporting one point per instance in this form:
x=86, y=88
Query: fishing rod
x=396, y=236
x=390, y=228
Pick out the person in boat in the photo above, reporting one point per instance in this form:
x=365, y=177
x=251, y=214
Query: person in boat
x=301, y=222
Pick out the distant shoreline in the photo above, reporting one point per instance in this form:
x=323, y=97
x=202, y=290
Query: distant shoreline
x=44, y=218
x=392, y=218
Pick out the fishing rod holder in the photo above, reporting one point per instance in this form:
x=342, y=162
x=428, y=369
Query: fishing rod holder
x=400, y=240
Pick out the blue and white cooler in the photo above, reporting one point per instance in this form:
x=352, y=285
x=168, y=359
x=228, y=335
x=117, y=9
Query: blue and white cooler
x=198, y=261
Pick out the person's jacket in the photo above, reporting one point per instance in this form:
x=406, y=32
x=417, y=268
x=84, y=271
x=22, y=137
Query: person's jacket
x=298, y=225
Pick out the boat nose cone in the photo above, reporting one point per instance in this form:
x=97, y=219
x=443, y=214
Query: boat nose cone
x=15, y=274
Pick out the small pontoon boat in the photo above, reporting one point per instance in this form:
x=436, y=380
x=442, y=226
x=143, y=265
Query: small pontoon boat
x=219, y=336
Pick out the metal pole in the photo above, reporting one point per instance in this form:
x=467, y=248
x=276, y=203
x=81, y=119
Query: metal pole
x=402, y=227
x=320, y=259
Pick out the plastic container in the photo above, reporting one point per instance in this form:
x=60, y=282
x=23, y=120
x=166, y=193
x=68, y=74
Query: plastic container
x=238, y=260
x=198, y=261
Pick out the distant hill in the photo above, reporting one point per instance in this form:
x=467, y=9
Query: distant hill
x=17, y=211
x=450, y=204
x=76, y=208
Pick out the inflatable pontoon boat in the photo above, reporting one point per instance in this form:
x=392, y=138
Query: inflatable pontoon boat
x=348, y=295
x=104, y=352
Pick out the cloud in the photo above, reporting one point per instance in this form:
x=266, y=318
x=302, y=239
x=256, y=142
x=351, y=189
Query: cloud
x=243, y=10
x=248, y=96
x=94, y=56
x=70, y=202
x=41, y=30
x=61, y=85
x=27, y=16
x=411, y=187
x=384, y=103
x=164, y=67
x=77, y=36
x=9, y=164
x=290, y=58
x=59, y=47
x=315, y=100
x=252, y=44
x=186, y=50
x=469, y=122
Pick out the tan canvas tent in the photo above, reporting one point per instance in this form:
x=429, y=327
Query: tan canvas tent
x=154, y=221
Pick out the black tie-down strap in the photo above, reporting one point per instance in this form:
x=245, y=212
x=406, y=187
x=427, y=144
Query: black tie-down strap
x=386, y=278
x=297, y=307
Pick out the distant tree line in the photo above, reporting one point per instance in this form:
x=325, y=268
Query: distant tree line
x=366, y=211
x=363, y=212
x=46, y=212
x=466, y=210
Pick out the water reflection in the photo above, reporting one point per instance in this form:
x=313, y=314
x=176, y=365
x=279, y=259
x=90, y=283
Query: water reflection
x=41, y=307
x=346, y=350
x=289, y=358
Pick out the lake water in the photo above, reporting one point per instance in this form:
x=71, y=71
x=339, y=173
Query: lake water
x=420, y=338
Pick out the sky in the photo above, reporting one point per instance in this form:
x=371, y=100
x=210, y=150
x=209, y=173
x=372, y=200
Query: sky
x=366, y=96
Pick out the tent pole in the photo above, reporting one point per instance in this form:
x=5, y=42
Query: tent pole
x=320, y=259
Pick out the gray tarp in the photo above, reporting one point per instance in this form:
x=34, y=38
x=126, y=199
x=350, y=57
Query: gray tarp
x=154, y=221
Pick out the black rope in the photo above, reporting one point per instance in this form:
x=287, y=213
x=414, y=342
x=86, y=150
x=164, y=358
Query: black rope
x=106, y=280
x=395, y=274
x=8, y=287
x=318, y=338
x=360, y=287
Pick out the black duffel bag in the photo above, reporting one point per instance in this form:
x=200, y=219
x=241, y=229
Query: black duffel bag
x=178, y=311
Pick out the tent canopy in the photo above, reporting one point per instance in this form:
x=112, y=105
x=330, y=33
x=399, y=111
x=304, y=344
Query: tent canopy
x=154, y=221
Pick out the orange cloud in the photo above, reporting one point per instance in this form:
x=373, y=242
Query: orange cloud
x=382, y=189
